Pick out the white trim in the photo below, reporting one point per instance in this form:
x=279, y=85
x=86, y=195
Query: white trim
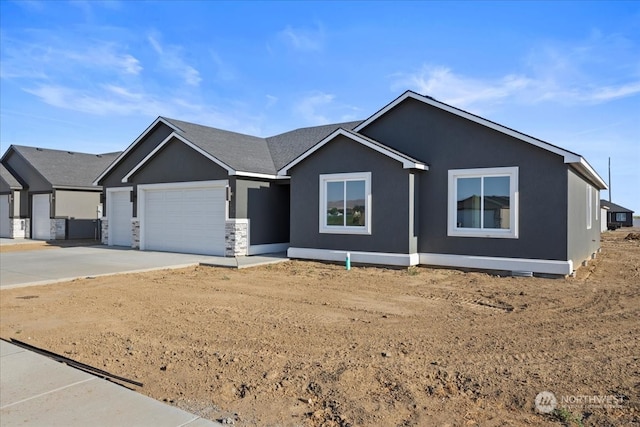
x=568, y=156
x=258, y=175
x=237, y=220
x=406, y=163
x=109, y=210
x=498, y=263
x=133, y=144
x=589, y=207
x=268, y=248
x=172, y=135
x=173, y=186
x=382, y=258
x=452, y=206
x=322, y=205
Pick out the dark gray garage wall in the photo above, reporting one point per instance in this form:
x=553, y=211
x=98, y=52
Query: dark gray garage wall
x=582, y=241
x=390, y=199
x=266, y=205
x=445, y=141
x=133, y=157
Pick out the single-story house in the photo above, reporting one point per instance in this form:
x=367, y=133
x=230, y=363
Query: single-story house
x=54, y=197
x=418, y=182
x=617, y=216
x=12, y=194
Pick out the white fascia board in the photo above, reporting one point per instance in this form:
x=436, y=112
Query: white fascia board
x=406, y=163
x=186, y=142
x=568, y=156
x=258, y=175
x=591, y=173
x=133, y=144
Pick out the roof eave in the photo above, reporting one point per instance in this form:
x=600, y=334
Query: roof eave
x=582, y=166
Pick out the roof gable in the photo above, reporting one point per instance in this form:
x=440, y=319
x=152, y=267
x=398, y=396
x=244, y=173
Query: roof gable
x=575, y=159
x=8, y=178
x=63, y=169
x=406, y=161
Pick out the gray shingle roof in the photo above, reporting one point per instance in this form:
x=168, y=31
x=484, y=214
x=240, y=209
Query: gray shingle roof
x=613, y=207
x=248, y=153
x=8, y=177
x=66, y=168
x=240, y=152
x=289, y=145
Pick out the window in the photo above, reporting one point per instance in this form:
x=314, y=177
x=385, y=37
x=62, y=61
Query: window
x=589, y=206
x=621, y=217
x=483, y=202
x=345, y=203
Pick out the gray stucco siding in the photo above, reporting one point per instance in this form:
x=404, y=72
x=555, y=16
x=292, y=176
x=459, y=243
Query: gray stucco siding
x=266, y=204
x=582, y=241
x=446, y=141
x=28, y=175
x=133, y=157
x=390, y=227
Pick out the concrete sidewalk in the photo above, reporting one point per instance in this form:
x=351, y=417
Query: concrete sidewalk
x=38, y=391
x=39, y=267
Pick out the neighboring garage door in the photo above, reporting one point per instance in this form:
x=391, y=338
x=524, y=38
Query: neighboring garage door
x=40, y=217
x=4, y=215
x=120, y=210
x=189, y=219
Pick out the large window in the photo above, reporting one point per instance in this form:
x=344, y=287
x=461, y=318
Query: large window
x=345, y=203
x=483, y=202
x=621, y=217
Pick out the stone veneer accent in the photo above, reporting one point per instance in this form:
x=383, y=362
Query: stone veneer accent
x=104, y=231
x=236, y=237
x=19, y=228
x=135, y=233
x=58, y=228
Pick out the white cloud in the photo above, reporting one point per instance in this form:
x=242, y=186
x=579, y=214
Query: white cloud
x=304, y=39
x=171, y=59
x=597, y=70
x=309, y=107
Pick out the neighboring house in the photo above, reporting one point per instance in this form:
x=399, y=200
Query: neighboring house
x=617, y=216
x=188, y=188
x=419, y=182
x=13, y=201
x=57, y=199
x=444, y=187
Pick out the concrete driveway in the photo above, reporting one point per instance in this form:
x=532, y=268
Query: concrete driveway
x=45, y=266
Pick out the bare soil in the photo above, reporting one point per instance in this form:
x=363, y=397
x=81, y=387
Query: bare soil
x=36, y=245
x=310, y=344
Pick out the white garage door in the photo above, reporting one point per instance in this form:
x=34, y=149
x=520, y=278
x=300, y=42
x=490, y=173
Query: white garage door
x=4, y=215
x=40, y=217
x=188, y=219
x=120, y=210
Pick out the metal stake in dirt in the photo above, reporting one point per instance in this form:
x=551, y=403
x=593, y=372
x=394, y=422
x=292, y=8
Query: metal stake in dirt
x=348, y=261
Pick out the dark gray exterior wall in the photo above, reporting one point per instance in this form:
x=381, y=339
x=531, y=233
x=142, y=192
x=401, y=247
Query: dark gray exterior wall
x=266, y=205
x=582, y=242
x=445, y=141
x=390, y=199
x=133, y=157
x=27, y=175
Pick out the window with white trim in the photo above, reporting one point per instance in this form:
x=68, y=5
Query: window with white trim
x=589, y=207
x=345, y=203
x=483, y=202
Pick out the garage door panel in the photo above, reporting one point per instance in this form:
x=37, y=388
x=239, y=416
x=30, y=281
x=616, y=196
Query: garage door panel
x=41, y=216
x=4, y=216
x=119, y=216
x=189, y=220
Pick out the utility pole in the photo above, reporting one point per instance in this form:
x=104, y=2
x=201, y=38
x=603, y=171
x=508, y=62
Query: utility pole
x=609, y=179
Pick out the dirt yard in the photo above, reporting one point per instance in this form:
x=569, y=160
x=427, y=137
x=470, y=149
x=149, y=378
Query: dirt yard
x=310, y=344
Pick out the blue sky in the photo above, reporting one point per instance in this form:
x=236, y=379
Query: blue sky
x=91, y=76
